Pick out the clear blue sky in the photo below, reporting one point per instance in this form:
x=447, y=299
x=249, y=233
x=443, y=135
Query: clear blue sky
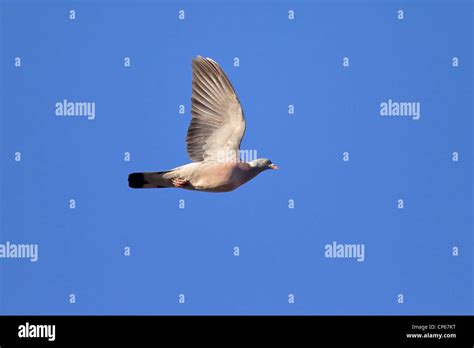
x=81, y=251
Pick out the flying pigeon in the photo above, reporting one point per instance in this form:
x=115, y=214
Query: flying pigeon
x=213, y=140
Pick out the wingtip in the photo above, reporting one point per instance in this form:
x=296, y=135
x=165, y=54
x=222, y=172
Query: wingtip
x=201, y=58
x=196, y=60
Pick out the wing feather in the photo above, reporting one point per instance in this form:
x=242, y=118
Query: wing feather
x=218, y=124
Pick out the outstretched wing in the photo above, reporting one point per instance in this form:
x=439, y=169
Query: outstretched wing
x=217, y=124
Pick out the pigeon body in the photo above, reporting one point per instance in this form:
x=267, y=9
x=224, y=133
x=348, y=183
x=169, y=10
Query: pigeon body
x=201, y=176
x=213, y=139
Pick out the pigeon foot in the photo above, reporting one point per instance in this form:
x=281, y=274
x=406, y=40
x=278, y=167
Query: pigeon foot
x=178, y=182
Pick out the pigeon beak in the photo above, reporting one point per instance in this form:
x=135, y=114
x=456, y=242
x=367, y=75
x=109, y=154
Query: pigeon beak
x=273, y=166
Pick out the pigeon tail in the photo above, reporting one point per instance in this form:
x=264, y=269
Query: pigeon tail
x=148, y=180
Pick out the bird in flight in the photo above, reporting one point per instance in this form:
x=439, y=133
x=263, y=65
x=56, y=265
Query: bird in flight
x=213, y=139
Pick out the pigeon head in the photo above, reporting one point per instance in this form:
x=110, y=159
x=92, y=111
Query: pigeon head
x=262, y=164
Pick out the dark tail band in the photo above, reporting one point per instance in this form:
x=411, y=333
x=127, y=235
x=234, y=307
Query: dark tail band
x=136, y=180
